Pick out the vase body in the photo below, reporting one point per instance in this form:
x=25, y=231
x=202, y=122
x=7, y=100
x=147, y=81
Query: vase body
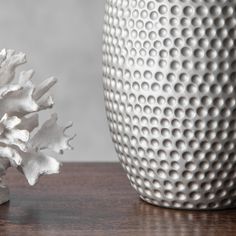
x=169, y=75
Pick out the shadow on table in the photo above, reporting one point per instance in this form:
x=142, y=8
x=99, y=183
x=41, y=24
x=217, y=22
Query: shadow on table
x=182, y=222
x=27, y=221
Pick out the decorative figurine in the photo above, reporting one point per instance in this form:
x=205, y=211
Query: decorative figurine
x=21, y=146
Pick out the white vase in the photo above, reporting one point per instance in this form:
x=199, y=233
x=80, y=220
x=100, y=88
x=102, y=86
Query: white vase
x=169, y=73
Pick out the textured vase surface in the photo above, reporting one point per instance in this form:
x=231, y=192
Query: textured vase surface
x=169, y=74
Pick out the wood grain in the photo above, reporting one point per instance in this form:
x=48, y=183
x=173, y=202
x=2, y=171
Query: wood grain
x=96, y=199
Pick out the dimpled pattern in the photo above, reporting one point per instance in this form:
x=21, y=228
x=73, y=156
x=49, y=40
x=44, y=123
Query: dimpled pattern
x=169, y=75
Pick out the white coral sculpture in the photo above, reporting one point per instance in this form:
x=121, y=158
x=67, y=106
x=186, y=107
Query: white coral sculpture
x=22, y=146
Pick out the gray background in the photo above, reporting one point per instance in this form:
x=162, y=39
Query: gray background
x=63, y=38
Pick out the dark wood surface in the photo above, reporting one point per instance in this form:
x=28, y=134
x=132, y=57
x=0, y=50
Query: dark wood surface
x=96, y=199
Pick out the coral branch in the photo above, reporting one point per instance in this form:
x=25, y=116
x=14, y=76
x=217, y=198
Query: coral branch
x=51, y=136
x=18, y=100
x=34, y=164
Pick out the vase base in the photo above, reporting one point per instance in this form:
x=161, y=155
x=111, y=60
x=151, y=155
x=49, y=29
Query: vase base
x=186, y=208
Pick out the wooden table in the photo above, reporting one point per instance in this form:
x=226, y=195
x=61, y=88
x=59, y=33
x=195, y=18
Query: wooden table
x=96, y=199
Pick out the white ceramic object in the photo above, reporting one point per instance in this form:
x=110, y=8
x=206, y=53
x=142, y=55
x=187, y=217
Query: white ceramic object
x=169, y=72
x=21, y=146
